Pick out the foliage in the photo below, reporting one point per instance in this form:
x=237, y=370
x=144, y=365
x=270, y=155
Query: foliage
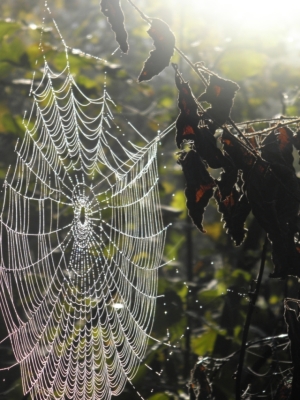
x=207, y=285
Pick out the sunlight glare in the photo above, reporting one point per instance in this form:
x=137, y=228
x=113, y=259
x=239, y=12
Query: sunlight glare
x=254, y=14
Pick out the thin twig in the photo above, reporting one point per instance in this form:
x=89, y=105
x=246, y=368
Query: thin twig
x=242, y=136
x=274, y=127
x=143, y=16
x=193, y=66
x=253, y=343
x=265, y=120
x=200, y=65
x=175, y=66
x=253, y=298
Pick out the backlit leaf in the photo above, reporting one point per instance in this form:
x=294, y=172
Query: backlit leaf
x=238, y=151
x=188, y=119
x=204, y=344
x=113, y=11
x=227, y=178
x=199, y=186
x=159, y=59
x=220, y=94
x=278, y=146
x=234, y=208
x=272, y=190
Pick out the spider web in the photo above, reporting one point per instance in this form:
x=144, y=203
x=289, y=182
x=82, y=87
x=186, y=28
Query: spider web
x=82, y=239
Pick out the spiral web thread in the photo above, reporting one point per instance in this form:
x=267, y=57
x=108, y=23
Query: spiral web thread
x=81, y=243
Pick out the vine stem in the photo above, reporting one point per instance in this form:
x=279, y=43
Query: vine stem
x=253, y=299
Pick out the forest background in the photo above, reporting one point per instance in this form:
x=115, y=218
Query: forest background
x=206, y=285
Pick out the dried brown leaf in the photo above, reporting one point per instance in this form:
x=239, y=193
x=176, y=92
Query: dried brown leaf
x=113, y=11
x=159, y=59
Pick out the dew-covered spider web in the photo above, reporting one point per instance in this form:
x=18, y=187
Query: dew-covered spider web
x=82, y=239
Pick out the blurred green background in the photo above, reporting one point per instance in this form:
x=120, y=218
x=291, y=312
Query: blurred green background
x=207, y=282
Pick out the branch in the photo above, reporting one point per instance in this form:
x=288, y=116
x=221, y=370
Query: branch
x=253, y=298
x=249, y=146
x=193, y=66
x=142, y=15
x=293, y=121
x=291, y=316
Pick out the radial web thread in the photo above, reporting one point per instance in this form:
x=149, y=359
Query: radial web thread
x=82, y=239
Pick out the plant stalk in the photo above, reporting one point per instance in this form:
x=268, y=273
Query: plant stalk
x=189, y=276
x=253, y=299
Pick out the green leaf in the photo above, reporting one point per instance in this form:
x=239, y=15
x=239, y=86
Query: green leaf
x=8, y=28
x=76, y=63
x=10, y=125
x=204, y=344
x=159, y=396
x=173, y=245
x=179, y=202
x=239, y=274
x=207, y=296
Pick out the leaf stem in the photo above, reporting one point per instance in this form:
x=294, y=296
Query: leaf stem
x=144, y=16
x=253, y=299
x=191, y=65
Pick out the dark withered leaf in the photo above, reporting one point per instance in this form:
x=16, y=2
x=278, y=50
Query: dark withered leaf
x=220, y=94
x=296, y=142
x=188, y=129
x=253, y=142
x=188, y=119
x=252, y=139
x=199, y=186
x=277, y=147
x=272, y=191
x=285, y=138
x=113, y=11
x=159, y=58
x=235, y=208
x=200, y=382
x=242, y=157
x=284, y=390
x=277, y=150
x=206, y=147
x=228, y=178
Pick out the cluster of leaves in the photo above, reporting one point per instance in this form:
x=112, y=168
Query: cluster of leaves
x=260, y=179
